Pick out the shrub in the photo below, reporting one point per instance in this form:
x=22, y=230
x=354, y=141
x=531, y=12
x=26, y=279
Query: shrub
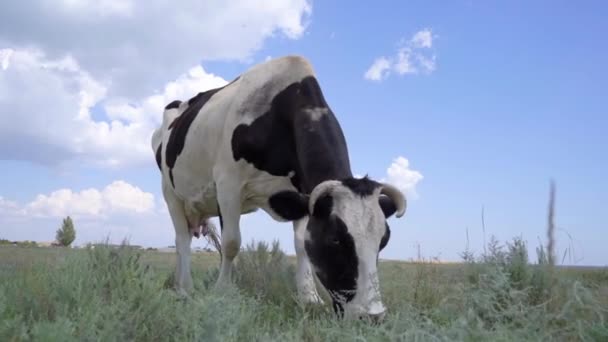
x=506, y=294
x=265, y=273
x=109, y=294
x=66, y=234
x=426, y=289
x=27, y=243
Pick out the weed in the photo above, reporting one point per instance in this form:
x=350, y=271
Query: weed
x=117, y=294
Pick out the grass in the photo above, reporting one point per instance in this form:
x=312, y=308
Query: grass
x=107, y=294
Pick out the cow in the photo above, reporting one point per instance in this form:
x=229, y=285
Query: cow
x=269, y=141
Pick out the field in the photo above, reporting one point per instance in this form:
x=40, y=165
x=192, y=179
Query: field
x=121, y=294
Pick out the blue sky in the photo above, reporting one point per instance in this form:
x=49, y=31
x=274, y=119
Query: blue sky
x=505, y=97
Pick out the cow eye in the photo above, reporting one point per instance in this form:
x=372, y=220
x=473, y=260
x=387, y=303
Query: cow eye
x=335, y=241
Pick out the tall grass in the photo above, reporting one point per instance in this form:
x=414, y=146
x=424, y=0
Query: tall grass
x=111, y=294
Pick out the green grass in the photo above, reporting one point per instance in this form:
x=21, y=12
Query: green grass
x=105, y=294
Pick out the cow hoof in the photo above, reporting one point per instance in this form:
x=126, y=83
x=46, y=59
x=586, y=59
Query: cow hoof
x=221, y=284
x=181, y=294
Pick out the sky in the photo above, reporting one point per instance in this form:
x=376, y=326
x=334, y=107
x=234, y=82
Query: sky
x=464, y=105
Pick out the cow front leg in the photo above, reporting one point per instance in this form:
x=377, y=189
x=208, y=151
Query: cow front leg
x=229, y=202
x=183, y=240
x=307, y=290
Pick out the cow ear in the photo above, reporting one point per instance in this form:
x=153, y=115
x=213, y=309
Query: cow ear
x=323, y=206
x=290, y=205
x=387, y=205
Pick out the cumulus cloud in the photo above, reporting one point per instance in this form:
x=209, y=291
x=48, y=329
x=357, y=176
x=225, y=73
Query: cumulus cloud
x=5, y=55
x=117, y=198
x=379, y=69
x=122, y=8
x=400, y=174
x=149, y=109
x=70, y=93
x=412, y=57
x=135, y=46
x=422, y=39
x=116, y=211
x=48, y=104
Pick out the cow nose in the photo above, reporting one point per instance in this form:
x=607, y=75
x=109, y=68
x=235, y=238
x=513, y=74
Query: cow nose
x=376, y=318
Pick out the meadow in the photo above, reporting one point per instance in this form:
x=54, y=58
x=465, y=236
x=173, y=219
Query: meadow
x=123, y=294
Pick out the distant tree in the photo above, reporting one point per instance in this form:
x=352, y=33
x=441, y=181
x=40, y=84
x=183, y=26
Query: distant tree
x=66, y=234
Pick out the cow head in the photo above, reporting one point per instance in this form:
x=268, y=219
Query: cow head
x=346, y=230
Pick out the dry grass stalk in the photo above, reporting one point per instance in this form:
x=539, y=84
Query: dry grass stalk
x=551, y=226
x=483, y=228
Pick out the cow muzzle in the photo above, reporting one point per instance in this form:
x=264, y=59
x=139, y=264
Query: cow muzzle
x=374, y=313
x=374, y=318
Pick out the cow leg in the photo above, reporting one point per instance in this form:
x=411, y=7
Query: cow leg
x=229, y=201
x=183, y=239
x=307, y=291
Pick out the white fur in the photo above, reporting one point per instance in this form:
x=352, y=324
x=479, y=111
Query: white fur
x=307, y=290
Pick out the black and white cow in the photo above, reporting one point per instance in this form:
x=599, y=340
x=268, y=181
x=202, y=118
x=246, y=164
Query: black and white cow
x=268, y=140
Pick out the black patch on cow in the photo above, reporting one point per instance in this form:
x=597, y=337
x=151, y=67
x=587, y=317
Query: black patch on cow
x=387, y=205
x=290, y=205
x=174, y=104
x=361, y=186
x=331, y=249
x=202, y=96
x=182, y=123
x=171, y=177
x=159, y=156
x=338, y=309
x=219, y=214
x=286, y=138
x=323, y=206
x=385, y=237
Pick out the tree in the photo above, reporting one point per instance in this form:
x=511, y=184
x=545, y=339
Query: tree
x=66, y=234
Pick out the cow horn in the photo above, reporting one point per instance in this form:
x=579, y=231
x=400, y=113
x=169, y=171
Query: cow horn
x=396, y=196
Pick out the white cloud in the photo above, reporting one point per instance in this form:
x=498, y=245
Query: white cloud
x=117, y=198
x=116, y=211
x=411, y=58
x=69, y=93
x=97, y=7
x=149, y=109
x=66, y=202
x=5, y=57
x=122, y=196
x=403, y=177
x=403, y=64
x=50, y=103
x=426, y=63
x=378, y=70
x=135, y=46
x=422, y=39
